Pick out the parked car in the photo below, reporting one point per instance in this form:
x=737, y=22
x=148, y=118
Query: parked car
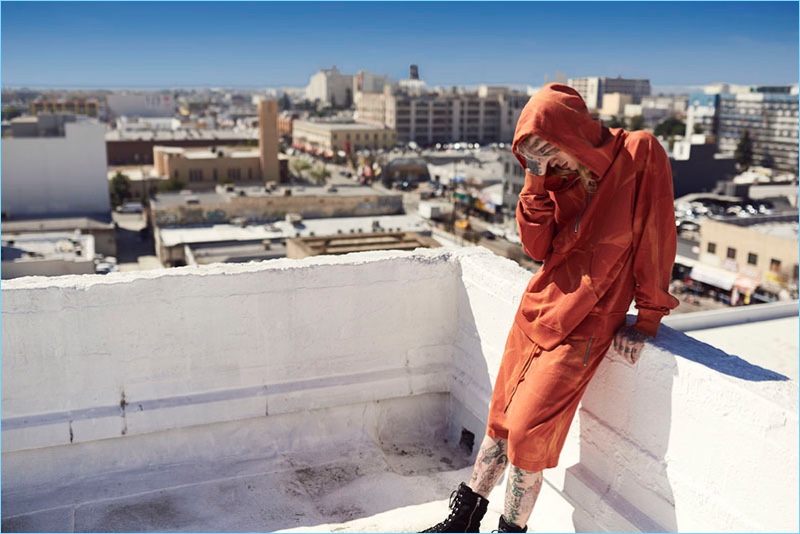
x=513, y=237
x=130, y=207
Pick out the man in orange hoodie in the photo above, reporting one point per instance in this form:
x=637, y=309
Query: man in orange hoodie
x=597, y=210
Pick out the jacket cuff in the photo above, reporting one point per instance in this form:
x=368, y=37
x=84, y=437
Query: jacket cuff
x=647, y=322
x=534, y=185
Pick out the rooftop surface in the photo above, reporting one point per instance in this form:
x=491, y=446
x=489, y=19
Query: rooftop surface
x=283, y=229
x=180, y=135
x=164, y=200
x=777, y=229
x=331, y=126
x=201, y=403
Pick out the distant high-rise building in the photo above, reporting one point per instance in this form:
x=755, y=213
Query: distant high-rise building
x=331, y=87
x=414, y=72
x=140, y=105
x=366, y=82
x=592, y=89
x=488, y=115
x=769, y=114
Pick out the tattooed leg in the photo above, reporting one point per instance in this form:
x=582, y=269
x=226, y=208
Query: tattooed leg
x=489, y=466
x=522, y=489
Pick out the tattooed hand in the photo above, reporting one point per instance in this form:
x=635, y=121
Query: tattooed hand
x=629, y=343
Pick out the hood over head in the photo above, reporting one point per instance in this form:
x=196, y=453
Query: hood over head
x=558, y=114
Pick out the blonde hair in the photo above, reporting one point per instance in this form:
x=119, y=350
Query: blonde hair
x=585, y=175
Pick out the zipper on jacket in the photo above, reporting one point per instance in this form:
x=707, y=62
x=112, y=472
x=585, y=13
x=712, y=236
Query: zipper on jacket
x=588, y=349
x=578, y=220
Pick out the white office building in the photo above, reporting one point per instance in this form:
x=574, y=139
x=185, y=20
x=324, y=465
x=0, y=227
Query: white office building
x=62, y=175
x=140, y=105
x=331, y=87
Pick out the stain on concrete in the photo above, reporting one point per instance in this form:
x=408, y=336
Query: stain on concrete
x=424, y=459
x=320, y=481
x=158, y=512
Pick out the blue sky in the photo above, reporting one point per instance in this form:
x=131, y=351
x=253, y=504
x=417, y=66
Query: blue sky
x=269, y=44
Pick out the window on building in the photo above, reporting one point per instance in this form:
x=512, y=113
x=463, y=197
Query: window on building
x=175, y=174
x=712, y=248
x=731, y=253
x=334, y=137
x=195, y=175
x=214, y=175
x=752, y=259
x=774, y=265
x=234, y=174
x=250, y=173
x=347, y=136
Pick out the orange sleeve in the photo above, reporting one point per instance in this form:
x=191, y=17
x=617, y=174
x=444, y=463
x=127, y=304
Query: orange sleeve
x=535, y=217
x=655, y=241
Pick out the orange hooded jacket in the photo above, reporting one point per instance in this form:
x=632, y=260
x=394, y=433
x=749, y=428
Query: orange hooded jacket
x=600, y=250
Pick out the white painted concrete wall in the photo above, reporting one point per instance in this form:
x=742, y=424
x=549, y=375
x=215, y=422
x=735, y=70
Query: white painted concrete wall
x=57, y=175
x=137, y=365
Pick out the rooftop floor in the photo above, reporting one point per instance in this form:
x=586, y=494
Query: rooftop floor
x=361, y=487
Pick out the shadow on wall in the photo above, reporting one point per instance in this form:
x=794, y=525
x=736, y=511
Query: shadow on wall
x=715, y=359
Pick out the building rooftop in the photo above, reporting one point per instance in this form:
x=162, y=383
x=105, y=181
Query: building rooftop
x=56, y=224
x=330, y=126
x=282, y=230
x=201, y=402
x=53, y=245
x=777, y=229
x=181, y=135
x=166, y=200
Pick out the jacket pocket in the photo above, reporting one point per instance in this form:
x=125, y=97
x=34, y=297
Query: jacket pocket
x=520, y=375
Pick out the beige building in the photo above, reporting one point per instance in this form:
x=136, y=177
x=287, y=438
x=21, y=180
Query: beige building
x=201, y=169
x=752, y=253
x=614, y=104
x=485, y=116
x=330, y=138
x=595, y=89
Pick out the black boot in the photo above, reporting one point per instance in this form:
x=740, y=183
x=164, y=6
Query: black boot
x=509, y=527
x=467, y=508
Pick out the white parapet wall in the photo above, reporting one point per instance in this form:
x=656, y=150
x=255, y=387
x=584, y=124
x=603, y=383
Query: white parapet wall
x=122, y=365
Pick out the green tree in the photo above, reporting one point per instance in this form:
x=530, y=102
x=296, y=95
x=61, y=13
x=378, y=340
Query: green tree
x=285, y=102
x=11, y=112
x=615, y=122
x=319, y=175
x=299, y=166
x=698, y=128
x=744, y=151
x=173, y=184
x=670, y=127
x=119, y=189
x=636, y=123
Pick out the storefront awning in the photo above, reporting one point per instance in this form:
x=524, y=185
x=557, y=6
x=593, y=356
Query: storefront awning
x=746, y=284
x=713, y=276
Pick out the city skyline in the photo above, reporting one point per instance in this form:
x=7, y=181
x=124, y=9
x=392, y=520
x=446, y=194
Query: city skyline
x=273, y=44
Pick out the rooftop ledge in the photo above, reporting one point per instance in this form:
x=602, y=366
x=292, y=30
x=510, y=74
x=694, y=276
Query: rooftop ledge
x=339, y=393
